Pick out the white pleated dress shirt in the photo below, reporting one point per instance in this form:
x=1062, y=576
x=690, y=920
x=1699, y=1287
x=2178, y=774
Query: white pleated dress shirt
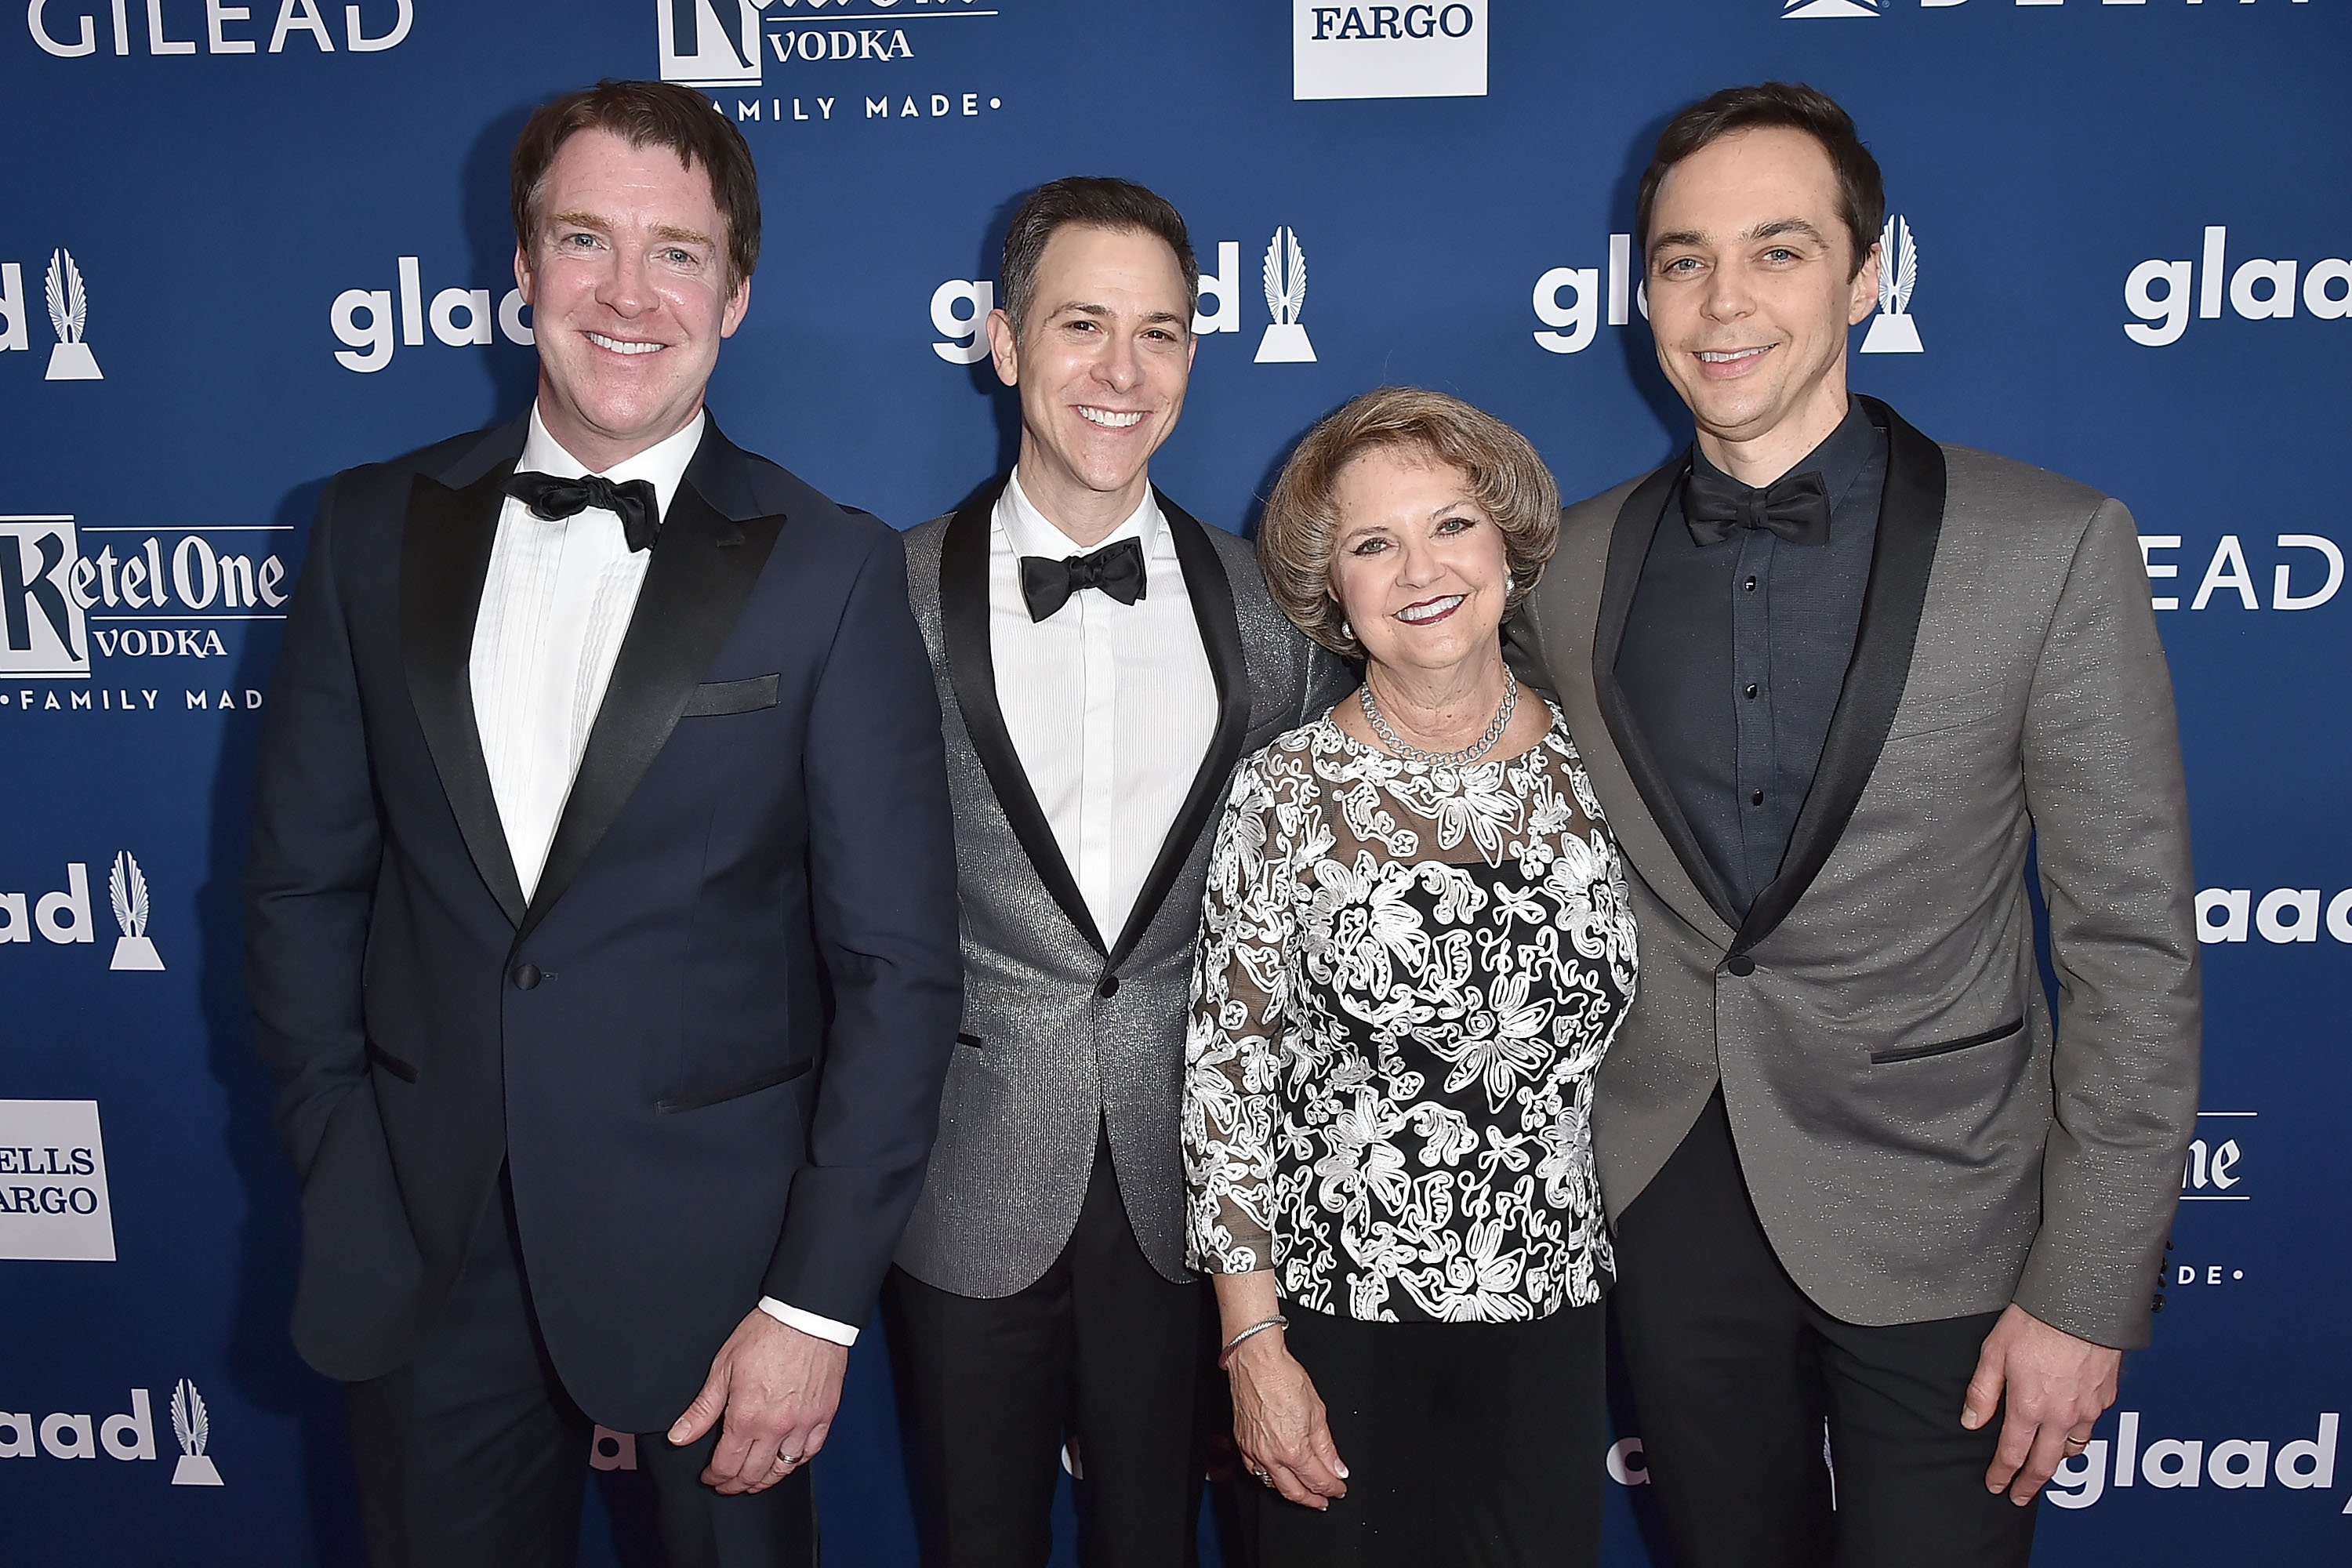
x=555, y=605
x=1109, y=707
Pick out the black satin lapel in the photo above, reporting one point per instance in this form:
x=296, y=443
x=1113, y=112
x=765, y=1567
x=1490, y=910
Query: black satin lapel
x=971, y=667
x=704, y=567
x=1629, y=547
x=444, y=554
x=1910, y=522
x=1212, y=593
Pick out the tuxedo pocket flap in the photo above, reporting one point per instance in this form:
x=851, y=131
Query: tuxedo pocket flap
x=1945, y=1048
x=743, y=696
x=392, y=1063
x=738, y=1091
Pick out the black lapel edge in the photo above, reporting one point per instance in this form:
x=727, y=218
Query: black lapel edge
x=445, y=555
x=1629, y=547
x=1212, y=594
x=1910, y=525
x=704, y=567
x=971, y=667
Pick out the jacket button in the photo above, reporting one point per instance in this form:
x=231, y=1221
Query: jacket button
x=1739, y=963
x=526, y=975
x=1107, y=986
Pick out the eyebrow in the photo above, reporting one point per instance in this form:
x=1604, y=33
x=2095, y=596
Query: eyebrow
x=661, y=231
x=1104, y=312
x=1772, y=230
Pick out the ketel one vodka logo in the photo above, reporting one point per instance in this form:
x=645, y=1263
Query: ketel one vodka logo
x=1285, y=341
x=1892, y=330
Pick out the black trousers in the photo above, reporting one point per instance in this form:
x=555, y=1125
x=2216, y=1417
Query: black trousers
x=1101, y=1347
x=1477, y=1444
x=1735, y=1372
x=473, y=1457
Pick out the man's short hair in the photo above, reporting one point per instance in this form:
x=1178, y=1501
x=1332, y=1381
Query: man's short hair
x=646, y=114
x=1776, y=105
x=1119, y=205
x=1301, y=527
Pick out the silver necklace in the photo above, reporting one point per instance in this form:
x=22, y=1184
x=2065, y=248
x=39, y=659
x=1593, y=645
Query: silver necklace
x=1461, y=759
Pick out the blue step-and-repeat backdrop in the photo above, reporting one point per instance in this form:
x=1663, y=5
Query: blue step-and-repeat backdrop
x=243, y=246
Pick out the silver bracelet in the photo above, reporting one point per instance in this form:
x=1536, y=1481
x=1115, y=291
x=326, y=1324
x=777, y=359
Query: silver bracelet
x=1277, y=1321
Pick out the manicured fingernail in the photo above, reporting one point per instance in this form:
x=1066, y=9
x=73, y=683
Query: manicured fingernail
x=1343, y=1472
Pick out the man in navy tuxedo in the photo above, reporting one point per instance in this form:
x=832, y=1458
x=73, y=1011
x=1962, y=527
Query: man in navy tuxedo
x=601, y=915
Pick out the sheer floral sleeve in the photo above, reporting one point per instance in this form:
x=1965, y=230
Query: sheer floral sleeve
x=1239, y=1013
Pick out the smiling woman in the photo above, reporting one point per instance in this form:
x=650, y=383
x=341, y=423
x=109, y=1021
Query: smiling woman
x=1416, y=949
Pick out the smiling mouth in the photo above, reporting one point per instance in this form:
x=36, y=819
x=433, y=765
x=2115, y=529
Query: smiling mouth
x=1110, y=418
x=1732, y=356
x=1431, y=610
x=623, y=346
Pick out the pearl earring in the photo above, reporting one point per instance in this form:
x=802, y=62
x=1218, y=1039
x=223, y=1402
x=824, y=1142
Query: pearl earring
x=1348, y=630
x=1511, y=583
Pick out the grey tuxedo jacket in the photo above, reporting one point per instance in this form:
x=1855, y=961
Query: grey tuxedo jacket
x=1067, y=1028
x=1918, y=1139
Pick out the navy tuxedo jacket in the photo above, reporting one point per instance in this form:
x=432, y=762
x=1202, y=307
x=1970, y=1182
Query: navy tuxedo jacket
x=710, y=1047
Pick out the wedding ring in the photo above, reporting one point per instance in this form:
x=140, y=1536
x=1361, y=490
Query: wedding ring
x=2078, y=1442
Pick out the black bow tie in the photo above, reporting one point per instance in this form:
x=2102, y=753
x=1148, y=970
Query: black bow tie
x=551, y=499
x=1116, y=568
x=1794, y=506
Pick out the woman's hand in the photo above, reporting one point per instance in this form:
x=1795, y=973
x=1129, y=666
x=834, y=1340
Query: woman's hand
x=1280, y=1425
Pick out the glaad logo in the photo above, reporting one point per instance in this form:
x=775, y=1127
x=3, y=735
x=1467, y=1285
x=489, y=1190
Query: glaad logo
x=2262, y=289
x=193, y=1429
x=363, y=321
x=68, y=301
x=1436, y=50
x=128, y=890
x=2284, y=915
x=959, y=306
x=1567, y=299
x=2167, y=1464
x=1285, y=341
x=53, y=1197
x=80, y=28
x=1892, y=330
x=1794, y=10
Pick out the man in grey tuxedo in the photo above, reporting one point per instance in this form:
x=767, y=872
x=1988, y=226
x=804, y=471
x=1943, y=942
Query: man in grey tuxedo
x=1834, y=684
x=1103, y=662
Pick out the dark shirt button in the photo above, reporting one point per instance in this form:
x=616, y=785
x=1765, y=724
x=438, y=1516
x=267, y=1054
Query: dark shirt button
x=1757, y=798
x=526, y=975
x=1751, y=688
x=1107, y=986
x=1739, y=963
x=1749, y=585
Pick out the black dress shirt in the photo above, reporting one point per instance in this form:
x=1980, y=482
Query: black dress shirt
x=1734, y=654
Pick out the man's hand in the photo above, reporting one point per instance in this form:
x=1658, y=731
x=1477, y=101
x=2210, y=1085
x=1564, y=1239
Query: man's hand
x=2056, y=1385
x=772, y=1392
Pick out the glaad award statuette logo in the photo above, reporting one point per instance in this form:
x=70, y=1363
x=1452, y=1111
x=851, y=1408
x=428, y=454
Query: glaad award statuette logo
x=1892, y=330
x=68, y=314
x=1791, y=10
x=128, y=890
x=192, y=1427
x=1286, y=341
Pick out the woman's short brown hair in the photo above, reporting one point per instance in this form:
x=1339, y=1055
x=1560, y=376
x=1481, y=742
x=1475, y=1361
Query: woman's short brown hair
x=1507, y=478
x=646, y=114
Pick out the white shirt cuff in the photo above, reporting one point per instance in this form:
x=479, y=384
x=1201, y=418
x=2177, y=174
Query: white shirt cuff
x=792, y=1317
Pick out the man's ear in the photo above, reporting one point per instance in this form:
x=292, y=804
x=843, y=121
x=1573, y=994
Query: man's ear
x=522, y=272
x=1865, y=300
x=1004, y=347
x=738, y=304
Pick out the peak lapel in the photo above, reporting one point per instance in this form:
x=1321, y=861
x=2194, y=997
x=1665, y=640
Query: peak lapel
x=445, y=555
x=971, y=668
x=1667, y=854
x=1910, y=522
x=1212, y=594
x=704, y=567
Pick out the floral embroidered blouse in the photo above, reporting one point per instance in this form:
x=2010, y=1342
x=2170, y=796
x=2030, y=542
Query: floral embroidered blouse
x=1407, y=978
